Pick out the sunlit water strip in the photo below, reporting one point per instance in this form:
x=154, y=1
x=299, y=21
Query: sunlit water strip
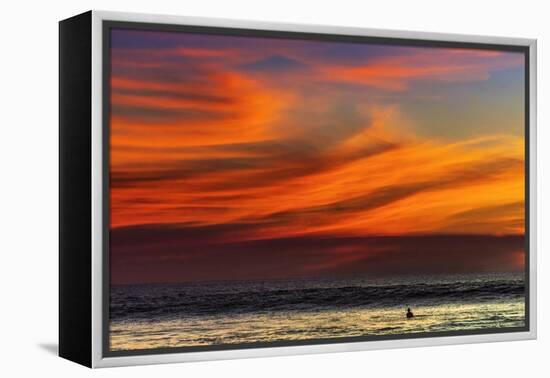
x=303, y=325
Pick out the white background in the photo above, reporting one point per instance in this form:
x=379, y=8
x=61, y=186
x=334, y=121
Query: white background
x=28, y=164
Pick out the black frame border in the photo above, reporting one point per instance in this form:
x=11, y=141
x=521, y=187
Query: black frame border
x=108, y=25
x=75, y=189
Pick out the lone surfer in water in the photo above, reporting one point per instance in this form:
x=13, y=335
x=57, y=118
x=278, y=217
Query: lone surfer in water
x=409, y=313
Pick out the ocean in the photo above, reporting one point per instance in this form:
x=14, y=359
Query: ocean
x=241, y=312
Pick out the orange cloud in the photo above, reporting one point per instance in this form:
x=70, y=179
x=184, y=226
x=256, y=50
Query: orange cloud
x=263, y=152
x=396, y=73
x=371, y=183
x=155, y=117
x=223, y=147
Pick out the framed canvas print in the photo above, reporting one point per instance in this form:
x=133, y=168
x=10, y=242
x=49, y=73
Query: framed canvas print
x=237, y=189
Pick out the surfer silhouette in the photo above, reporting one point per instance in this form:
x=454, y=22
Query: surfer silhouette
x=409, y=313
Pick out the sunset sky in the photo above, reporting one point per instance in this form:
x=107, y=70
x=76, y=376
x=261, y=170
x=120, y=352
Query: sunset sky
x=256, y=158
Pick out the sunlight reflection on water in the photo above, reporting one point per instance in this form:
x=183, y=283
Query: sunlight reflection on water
x=301, y=325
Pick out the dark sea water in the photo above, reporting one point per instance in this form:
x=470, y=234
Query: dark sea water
x=165, y=315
